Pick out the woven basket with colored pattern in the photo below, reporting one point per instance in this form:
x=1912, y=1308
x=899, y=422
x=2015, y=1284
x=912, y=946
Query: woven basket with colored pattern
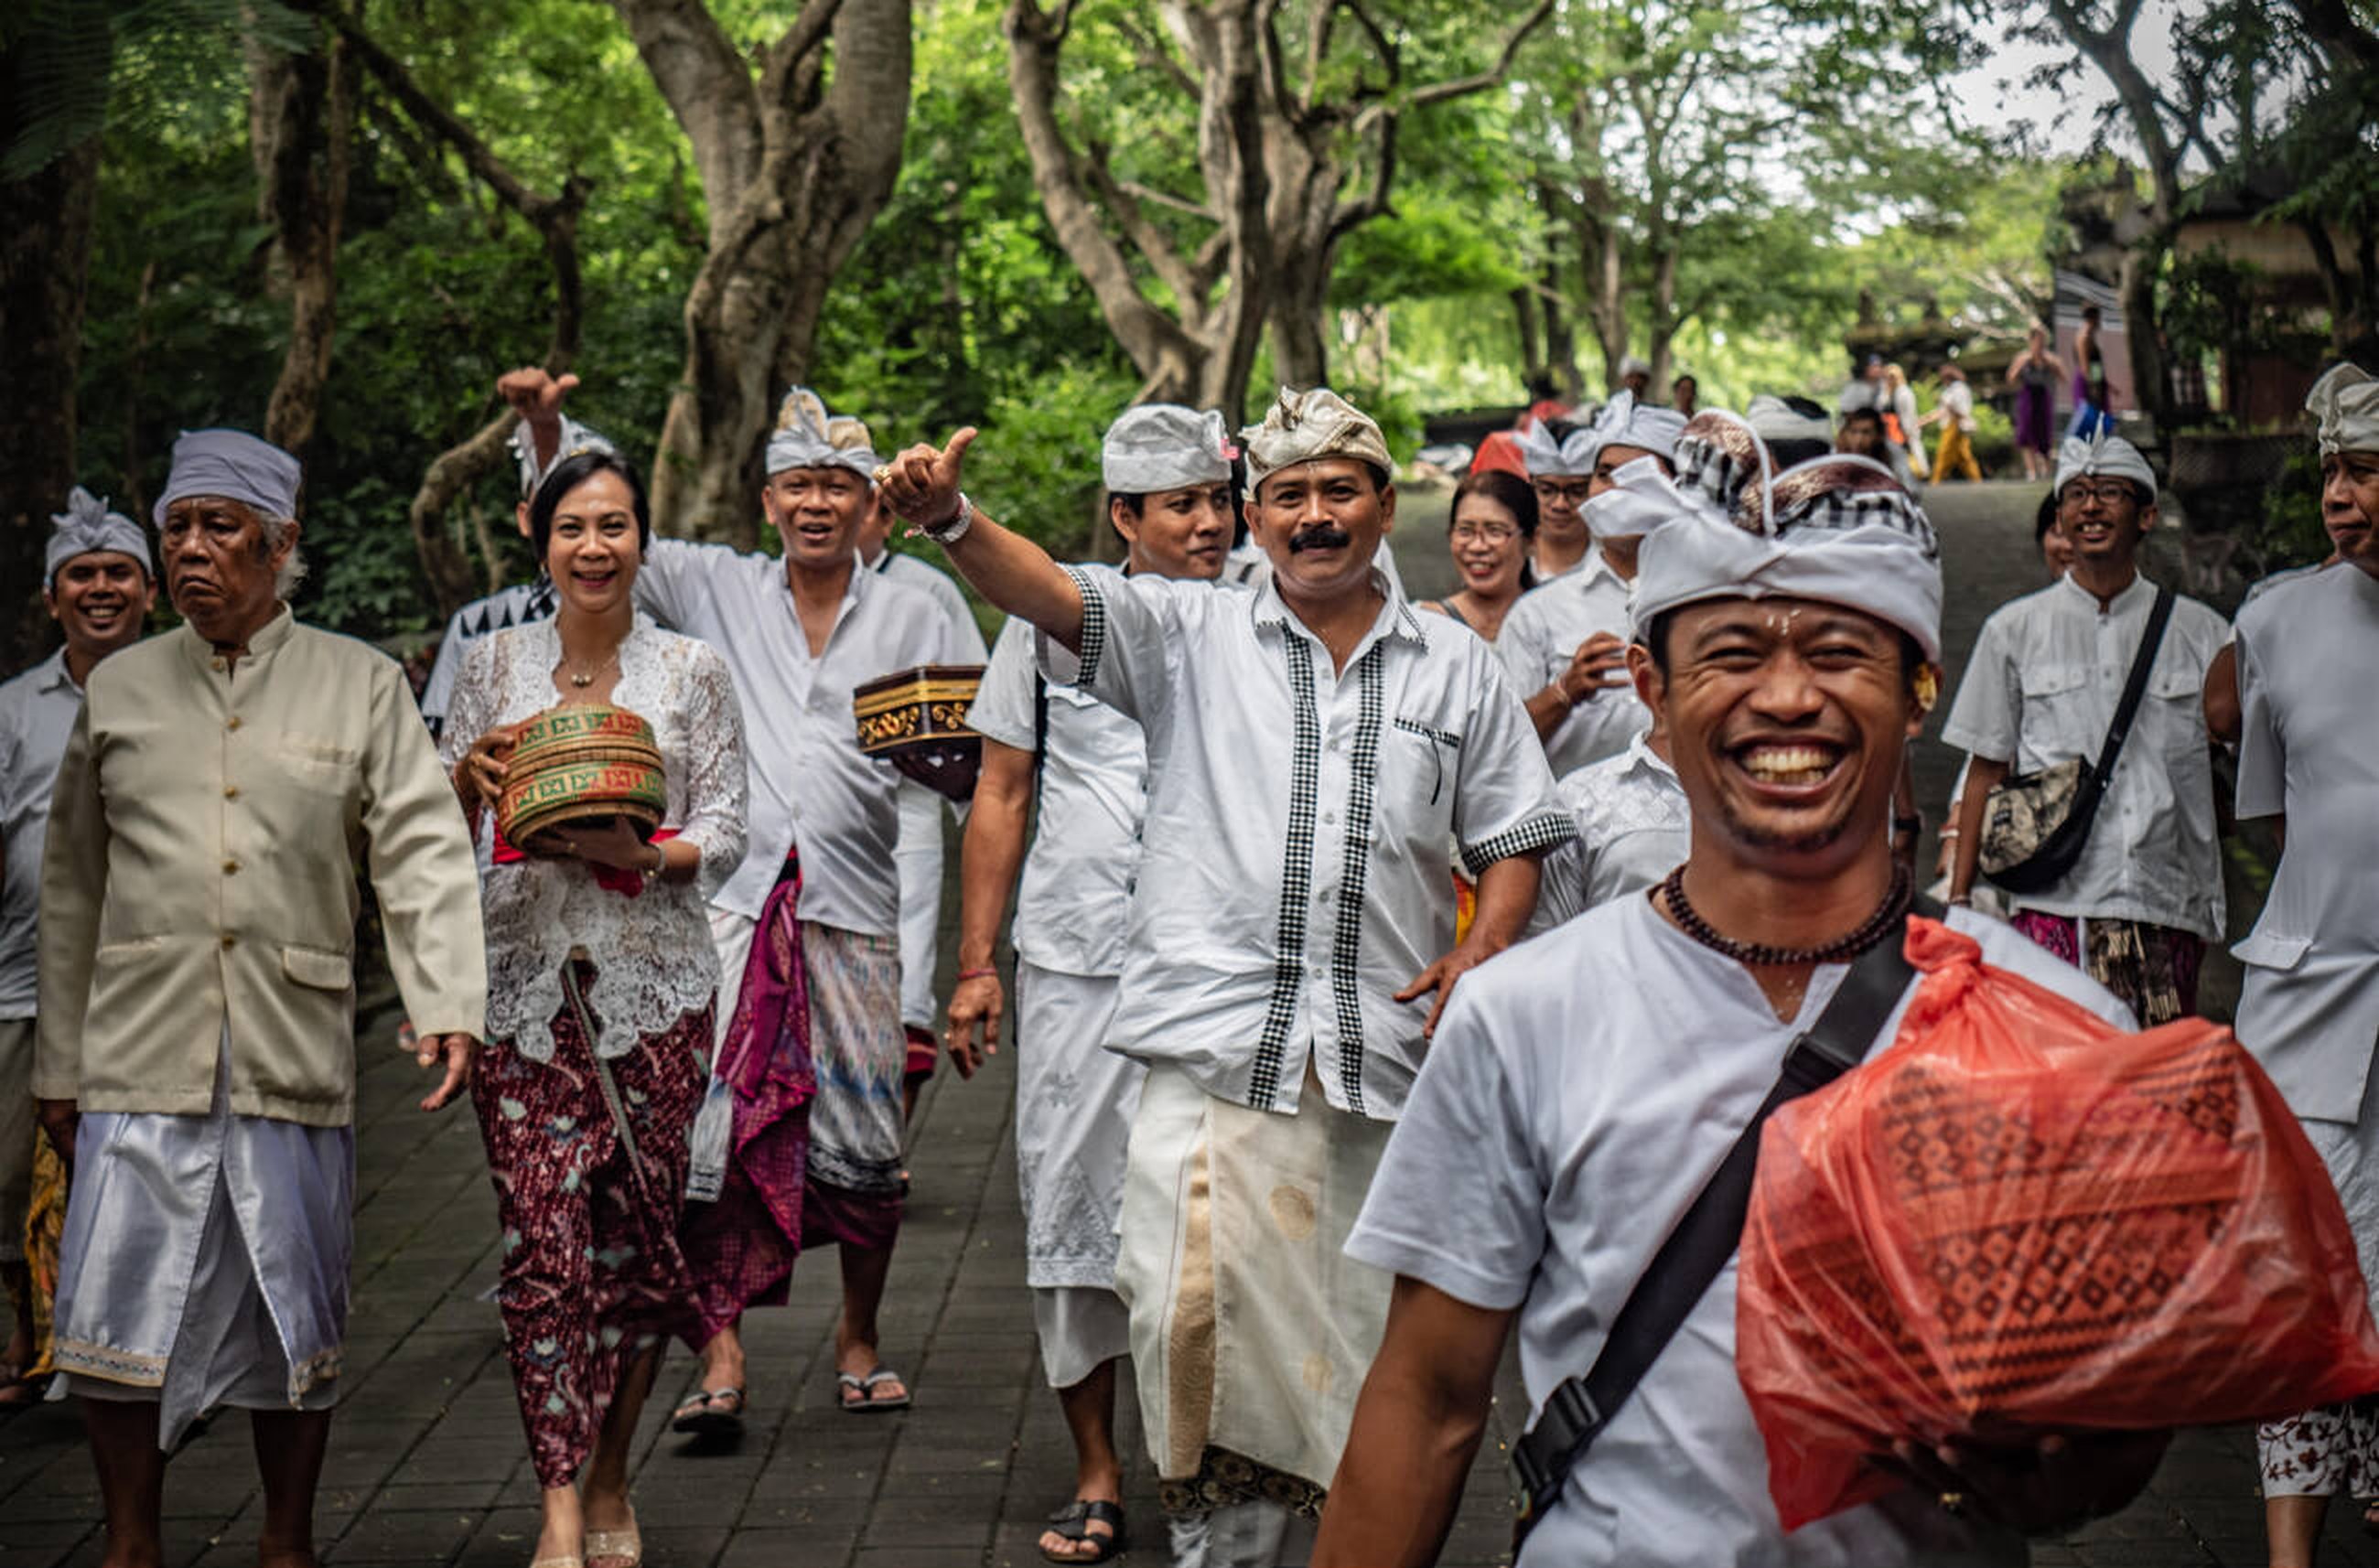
x=581, y=762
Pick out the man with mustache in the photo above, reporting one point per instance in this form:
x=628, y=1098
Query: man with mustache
x=102, y=586
x=2042, y=688
x=1588, y=1083
x=2309, y=758
x=195, y=1056
x=1564, y=643
x=1315, y=750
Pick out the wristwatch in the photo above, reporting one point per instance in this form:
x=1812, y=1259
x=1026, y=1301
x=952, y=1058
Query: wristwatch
x=951, y=532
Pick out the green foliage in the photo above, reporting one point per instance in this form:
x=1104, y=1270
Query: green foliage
x=2290, y=532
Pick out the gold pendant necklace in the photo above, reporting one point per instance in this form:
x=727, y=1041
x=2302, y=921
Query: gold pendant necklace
x=584, y=679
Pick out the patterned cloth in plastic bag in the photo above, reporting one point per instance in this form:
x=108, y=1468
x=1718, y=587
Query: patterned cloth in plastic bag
x=2019, y=1219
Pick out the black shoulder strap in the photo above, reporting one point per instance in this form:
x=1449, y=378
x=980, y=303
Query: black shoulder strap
x=2135, y=686
x=1696, y=1252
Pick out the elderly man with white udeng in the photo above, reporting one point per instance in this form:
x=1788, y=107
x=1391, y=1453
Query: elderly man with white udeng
x=197, y=1047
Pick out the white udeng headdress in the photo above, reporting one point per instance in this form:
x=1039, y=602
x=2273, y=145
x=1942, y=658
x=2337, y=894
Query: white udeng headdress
x=87, y=527
x=2102, y=453
x=2345, y=402
x=576, y=438
x=809, y=436
x=1838, y=529
x=1163, y=446
x=1622, y=422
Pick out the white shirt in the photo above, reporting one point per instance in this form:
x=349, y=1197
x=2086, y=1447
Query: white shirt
x=36, y=713
x=1298, y=852
x=1585, y=1086
x=2309, y=746
x=522, y=603
x=809, y=780
x=1634, y=827
x=1959, y=399
x=2041, y=689
x=1539, y=637
x=1075, y=895
x=946, y=594
x=652, y=953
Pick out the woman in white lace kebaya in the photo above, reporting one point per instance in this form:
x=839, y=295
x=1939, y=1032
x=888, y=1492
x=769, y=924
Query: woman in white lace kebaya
x=601, y=984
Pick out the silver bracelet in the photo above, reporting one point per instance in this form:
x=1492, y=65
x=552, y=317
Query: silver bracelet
x=951, y=532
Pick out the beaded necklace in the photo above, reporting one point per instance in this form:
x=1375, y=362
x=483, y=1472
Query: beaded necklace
x=1759, y=955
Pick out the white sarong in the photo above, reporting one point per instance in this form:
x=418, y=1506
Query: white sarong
x=1251, y=1330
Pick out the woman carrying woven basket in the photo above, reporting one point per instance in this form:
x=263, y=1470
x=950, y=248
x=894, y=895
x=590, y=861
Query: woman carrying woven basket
x=602, y=982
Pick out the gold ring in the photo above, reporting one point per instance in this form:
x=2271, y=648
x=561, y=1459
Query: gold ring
x=1953, y=1503
x=883, y=472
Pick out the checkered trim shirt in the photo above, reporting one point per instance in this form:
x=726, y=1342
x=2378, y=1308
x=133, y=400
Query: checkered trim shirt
x=1303, y=827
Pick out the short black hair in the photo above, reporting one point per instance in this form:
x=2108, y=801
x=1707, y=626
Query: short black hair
x=1656, y=643
x=573, y=471
x=1688, y=379
x=2044, y=519
x=1865, y=411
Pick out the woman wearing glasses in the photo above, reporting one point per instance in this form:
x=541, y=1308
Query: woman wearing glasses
x=1491, y=527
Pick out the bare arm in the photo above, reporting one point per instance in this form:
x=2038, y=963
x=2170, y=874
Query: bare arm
x=1014, y=573
x=2223, y=715
x=989, y=856
x=1417, y=1428
x=1983, y=775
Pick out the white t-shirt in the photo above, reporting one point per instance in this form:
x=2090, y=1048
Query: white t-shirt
x=2041, y=686
x=1075, y=894
x=1539, y=637
x=1584, y=1085
x=2309, y=746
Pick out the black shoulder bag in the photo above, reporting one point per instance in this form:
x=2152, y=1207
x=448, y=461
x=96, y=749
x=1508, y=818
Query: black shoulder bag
x=1694, y=1253
x=2035, y=826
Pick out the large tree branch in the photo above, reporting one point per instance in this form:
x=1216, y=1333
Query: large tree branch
x=707, y=84
x=2109, y=50
x=1155, y=56
x=1480, y=82
x=2340, y=35
x=1145, y=235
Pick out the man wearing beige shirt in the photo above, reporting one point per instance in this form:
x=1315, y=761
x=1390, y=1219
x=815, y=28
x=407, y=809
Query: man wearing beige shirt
x=197, y=1004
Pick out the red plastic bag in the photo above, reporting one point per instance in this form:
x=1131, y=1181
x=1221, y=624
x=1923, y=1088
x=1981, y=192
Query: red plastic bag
x=2019, y=1218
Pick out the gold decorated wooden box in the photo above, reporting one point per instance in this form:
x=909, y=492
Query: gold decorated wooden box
x=922, y=709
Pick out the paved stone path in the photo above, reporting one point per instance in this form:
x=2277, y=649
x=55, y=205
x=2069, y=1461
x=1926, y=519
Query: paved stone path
x=427, y=1466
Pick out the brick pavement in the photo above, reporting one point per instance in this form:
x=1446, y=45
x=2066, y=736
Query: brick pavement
x=428, y=1464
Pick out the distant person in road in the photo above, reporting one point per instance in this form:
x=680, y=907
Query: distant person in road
x=2094, y=402
x=2309, y=759
x=544, y=437
x=101, y=586
x=1564, y=643
x=1684, y=396
x=1635, y=377
x=1316, y=752
x=1902, y=429
x=1490, y=528
x=2034, y=375
x=195, y=1056
x=1955, y=413
x=2041, y=689
x=602, y=982
x=1167, y=471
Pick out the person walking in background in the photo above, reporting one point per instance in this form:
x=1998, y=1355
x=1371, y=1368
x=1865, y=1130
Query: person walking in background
x=1490, y=529
x=2034, y=374
x=1684, y=395
x=2093, y=407
x=602, y=985
x=102, y=585
x=1955, y=413
x=1902, y=428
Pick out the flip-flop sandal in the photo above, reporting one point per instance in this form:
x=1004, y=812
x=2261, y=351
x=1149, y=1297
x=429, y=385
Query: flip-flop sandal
x=866, y=1403
x=1073, y=1522
x=710, y=1412
x=628, y=1543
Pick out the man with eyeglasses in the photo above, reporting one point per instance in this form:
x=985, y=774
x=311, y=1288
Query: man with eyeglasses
x=2042, y=688
x=1564, y=645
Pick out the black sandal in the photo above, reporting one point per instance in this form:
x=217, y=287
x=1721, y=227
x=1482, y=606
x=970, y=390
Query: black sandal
x=710, y=1413
x=1074, y=1520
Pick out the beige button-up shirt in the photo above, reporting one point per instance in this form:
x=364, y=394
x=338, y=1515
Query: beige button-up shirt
x=205, y=833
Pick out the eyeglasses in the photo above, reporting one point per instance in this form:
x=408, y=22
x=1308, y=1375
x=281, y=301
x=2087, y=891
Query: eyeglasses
x=1493, y=533
x=1553, y=490
x=2112, y=493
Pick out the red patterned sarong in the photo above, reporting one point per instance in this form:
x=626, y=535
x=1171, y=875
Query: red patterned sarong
x=742, y=1247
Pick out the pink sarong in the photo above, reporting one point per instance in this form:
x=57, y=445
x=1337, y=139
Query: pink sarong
x=741, y=1248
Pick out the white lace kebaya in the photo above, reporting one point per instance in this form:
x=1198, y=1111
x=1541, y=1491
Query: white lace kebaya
x=652, y=953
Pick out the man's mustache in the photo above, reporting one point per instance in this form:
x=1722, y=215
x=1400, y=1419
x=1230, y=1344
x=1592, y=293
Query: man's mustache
x=1324, y=537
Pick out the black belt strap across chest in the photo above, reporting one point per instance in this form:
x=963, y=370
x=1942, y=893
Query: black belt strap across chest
x=1694, y=1253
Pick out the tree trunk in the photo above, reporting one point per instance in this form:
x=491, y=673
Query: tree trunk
x=795, y=166
x=46, y=228
x=1662, y=328
x=301, y=127
x=1602, y=272
x=2150, y=385
x=1528, y=326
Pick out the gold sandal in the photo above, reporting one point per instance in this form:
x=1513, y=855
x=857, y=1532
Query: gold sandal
x=627, y=1545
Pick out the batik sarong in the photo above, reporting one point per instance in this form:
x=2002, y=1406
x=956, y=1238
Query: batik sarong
x=859, y=1051
x=742, y=1246
x=589, y=1161
x=2152, y=967
x=45, y=1225
x=1251, y=1330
